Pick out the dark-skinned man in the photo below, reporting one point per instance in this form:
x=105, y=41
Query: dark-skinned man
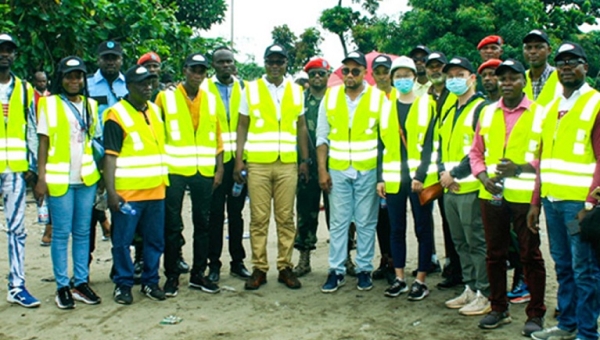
x=542, y=80
x=419, y=56
x=107, y=85
x=271, y=132
x=490, y=47
x=194, y=148
x=16, y=168
x=569, y=167
x=152, y=62
x=502, y=157
x=136, y=172
x=489, y=80
x=229, y=92
x=347, y=136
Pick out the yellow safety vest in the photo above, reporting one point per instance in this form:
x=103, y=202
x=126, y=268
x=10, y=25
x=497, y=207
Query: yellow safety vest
x=522, y=147
x=355, y=146
x=269, y=138
x=552, y=89
x=457, y=141
x=13, y=134
x=141, y=164
x=188, y=150
x=568, y=162
x=59, y=148
x=228, y=126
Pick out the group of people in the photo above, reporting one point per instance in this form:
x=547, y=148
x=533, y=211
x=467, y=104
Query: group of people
x=495, y=158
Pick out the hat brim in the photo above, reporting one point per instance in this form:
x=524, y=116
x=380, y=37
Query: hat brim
x=141, y=78
x=197, y=63
x=562, y=54
x=360, y=62
x=384, y=64
x=103, y=53
x=418, y=49
x=529, y=37
x=10, y=42
x=436, y=59
x=447, y=67
x=74, y=68
x=281, y=53
x=503, y=68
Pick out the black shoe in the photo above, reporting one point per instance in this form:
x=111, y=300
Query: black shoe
x=182, y=266
x=397, y=288
x=239, y=270
x=214, y=275
x=64, y=298
x=198, y=281
x=138, y=269
x=449, y=282
x=379, y=273
x=171, y=287
x=85, y=294
x=122, y=295
x=153, y=291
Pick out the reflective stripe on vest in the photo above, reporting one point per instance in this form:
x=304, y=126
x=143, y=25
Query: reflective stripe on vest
x=419, y=118
x=13, y=137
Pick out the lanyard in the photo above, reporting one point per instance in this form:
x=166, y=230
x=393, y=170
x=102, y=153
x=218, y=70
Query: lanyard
x=76, y=112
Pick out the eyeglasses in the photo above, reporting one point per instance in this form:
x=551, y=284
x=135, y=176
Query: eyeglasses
x=355, y=71
x=278, y=62
x=312, y=74
x=569, y=62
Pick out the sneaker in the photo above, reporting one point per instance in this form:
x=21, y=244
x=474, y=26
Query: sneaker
x=379, y=273
x=334, y=281
x=138, y=269
x=462, y=300
x=198, y=281
x=519, y=290
x=479, y=306
x=418, y=291
x=171, y=287
x=122, y=295
x=532, y=325
x=364, y=281
x=85, y=294
x=397, y=288
x=21, y=296
x=554, y=333
x=153, y=291
x=521, y=299
x=494, y=319
x=64, y=298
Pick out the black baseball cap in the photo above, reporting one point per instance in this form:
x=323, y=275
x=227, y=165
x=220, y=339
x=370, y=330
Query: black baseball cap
x=439, y=56
x=510, y=64
x=459, y=62
x=196, y=59
x=381, y=60
x=571, y=48
x=539, y=34
x=275, y=49
x=5, y=38
x=356, y=56
x=137, y=74
x=71, y=63
x=419, y=48
x=110, y=47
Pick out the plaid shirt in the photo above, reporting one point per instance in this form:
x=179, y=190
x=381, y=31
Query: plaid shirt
x=538, y=85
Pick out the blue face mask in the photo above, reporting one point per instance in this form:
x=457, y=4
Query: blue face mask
x=458, y=86
x=404, y=85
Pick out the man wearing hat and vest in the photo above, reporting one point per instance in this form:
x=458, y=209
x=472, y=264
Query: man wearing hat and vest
x=17, y=167
x=419, y=56
x=381, y=73
x=542, y=79
x=152, y=62
x=490, y=47
x=194, y=150
x=569, y=166
x=489, y=80
x=347, y=137
x=308, y=195
x=230, y=99
x=506, y=142
x=270, y=133
x=107, y=85
x=136, y=176
x=460, y=198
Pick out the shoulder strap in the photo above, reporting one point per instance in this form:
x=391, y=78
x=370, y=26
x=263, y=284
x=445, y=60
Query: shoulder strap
x=477, y=113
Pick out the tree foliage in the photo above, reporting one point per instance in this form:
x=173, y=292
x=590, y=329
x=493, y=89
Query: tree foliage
x=200, y=14
x=300, y=49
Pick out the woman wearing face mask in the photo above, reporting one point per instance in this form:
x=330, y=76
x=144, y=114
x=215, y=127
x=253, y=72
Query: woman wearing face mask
x=406, y=148
x=68, y=176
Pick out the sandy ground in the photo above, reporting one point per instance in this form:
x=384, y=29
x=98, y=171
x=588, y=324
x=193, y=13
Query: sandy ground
x=273, y=312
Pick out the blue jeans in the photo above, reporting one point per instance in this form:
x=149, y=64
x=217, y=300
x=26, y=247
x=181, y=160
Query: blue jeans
x=577, y=271
x=71, y=215
x=151, y=219
x=348, y=199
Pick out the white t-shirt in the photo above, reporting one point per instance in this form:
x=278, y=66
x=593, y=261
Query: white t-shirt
x=5, y=97
x=276, y=93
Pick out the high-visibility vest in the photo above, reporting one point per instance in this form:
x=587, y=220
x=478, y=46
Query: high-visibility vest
x=189, y=151
x=13, y=134
x=522, y=147
x=568, y=162
x=552, y=89
x=58, y=165
x=141, y=164
x=355, y=146
x=269, y=138
x=228, y=126
x=457, y=141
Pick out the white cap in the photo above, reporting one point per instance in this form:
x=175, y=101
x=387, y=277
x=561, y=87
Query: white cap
x=403, y=62
x=301, y=75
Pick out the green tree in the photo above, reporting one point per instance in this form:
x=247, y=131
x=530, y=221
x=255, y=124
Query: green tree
x=200, y=14
x=300, y=49
x=249, y=70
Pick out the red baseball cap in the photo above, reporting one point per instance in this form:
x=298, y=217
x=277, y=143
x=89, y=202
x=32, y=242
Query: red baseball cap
x=150, y=56
x=490, y=39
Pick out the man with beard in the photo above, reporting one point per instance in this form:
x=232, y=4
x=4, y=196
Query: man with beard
x=490, y=47
x=419, y=56
x=542, y=80
x=489, y=80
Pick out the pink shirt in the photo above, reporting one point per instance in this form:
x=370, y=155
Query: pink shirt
x=511, y=116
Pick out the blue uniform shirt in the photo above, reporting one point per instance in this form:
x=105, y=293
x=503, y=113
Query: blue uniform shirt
x=100, y=90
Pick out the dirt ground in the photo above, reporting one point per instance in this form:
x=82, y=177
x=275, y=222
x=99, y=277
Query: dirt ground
x=272, y=312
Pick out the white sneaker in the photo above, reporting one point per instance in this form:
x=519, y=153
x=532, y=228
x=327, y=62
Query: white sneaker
x=479, y=306
x=462, y=300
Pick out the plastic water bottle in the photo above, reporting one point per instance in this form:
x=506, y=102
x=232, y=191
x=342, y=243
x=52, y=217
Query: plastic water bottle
x=236, y=191
x=43, y=214
x=383, y=203
x=497, y=198
x=127, y=209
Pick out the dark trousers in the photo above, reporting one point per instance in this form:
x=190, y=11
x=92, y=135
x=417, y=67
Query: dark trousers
x=201, y=194
x=235, y=227
x=98, y=216
x=383, y=232
x=308, y=206
x=496, y=222
x=449, y=248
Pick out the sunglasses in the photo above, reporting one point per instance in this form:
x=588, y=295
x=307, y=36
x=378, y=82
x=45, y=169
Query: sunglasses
x=312, y=74
x=355, y=71
x=570, y=62
x=278, y=62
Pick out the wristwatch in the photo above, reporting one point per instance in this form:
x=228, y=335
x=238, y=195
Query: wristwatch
x=308, y=161
x=588, y=206
x=518, y=171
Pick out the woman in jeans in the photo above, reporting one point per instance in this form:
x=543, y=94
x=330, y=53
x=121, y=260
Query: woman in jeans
x=68, y=176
